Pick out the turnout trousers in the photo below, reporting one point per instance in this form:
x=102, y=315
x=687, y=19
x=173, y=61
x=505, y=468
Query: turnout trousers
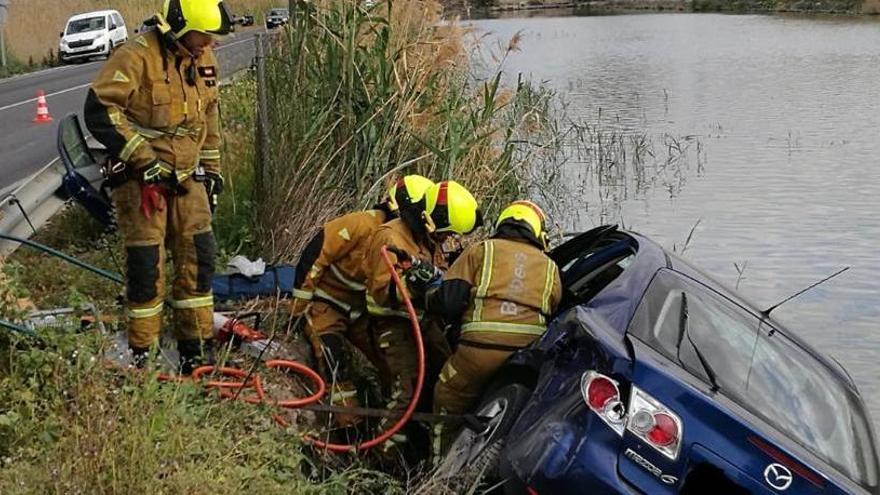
x=462, y=381
x=181, y=224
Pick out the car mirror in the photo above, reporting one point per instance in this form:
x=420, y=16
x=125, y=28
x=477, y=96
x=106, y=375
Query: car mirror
x=112, y=27
x=61, y=34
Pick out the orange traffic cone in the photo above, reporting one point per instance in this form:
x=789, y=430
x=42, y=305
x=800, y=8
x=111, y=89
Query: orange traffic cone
x=42, y=109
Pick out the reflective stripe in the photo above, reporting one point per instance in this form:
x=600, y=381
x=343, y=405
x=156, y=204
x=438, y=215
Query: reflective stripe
x=485, y=279
x=320, y=294
x=548, y=290
x=179, y=131
x=145, y=312
x=341, y=396
x=195, y=302
x=147, y=133
x=303, y=294
x=497, y=326
x=207, y=154
x=182, y=175
x=374, y=309
x=130, y=146
x=351, y=284
x=437, y=443
x=447, y=373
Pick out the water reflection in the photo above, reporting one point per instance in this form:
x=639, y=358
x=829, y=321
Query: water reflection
x=778, y=118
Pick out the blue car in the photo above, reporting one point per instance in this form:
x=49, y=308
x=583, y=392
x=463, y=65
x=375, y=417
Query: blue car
x=654, y=378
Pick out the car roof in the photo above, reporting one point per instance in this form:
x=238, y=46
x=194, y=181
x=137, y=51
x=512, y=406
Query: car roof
x=96, y=13
x=650, y=258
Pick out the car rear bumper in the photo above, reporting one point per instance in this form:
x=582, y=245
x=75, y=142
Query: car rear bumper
x=561, y=457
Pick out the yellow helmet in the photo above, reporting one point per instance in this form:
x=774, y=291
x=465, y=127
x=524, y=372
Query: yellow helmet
x=204, y=16
x=449, y=207
x=408, y=190
x=529, y=214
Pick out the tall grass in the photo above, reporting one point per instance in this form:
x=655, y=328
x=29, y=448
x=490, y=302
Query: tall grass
x=359, y=96
x=33, y=25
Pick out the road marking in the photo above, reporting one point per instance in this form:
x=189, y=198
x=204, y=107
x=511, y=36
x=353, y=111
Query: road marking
x=44, y=72
x=226, y=45
x=31, y=100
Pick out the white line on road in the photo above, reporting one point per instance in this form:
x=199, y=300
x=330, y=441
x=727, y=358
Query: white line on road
x=31, y=100
x=44, y=72
x=227, y=45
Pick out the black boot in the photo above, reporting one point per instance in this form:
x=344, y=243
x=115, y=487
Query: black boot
x=195, y=353
x=139, y=356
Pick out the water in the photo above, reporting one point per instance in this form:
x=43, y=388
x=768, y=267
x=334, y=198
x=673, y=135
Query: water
x=787, y=113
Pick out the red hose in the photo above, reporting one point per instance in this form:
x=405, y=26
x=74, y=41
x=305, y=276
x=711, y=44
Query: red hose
x=259, y=396
x=420, y=376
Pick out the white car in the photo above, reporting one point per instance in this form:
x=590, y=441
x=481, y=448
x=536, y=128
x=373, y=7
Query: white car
x=94, y=34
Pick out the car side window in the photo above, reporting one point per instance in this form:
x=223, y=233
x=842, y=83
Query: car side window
x=703, y=332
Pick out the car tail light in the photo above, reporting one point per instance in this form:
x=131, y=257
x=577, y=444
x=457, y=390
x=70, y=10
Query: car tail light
x=602, y=396
x=654, y=423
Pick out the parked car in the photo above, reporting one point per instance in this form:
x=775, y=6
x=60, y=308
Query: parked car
x=654, y=378
x=277, y=17
x=245, y=20
x=93, y=34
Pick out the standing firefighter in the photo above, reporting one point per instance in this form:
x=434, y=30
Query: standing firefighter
x=414, y=245
x=501, y=291
x=154, y=105
x=331, y=292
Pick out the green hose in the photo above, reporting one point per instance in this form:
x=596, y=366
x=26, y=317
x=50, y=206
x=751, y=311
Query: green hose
x=70, y=259
x=58, y=254
x=17, y=328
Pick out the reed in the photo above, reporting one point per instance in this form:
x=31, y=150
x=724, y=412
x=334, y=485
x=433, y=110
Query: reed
x=359, y=96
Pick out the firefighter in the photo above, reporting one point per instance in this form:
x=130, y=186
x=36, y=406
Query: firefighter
x=501, y=292
x=414, y=245
x=331, y=292
x=154, y=105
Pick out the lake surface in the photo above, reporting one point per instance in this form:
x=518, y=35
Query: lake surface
x=781, y=116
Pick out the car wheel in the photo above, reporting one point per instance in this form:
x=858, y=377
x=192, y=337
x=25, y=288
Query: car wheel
x=472, y=458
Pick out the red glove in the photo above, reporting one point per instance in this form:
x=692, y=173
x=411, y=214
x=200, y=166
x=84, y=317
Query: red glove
x=152, y=199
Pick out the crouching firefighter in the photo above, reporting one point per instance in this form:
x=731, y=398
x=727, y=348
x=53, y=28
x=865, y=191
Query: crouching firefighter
x=501, y=291
x=331, y=284
x=154, y=105
x=414, y=244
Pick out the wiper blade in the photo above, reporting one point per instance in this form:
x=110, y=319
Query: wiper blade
x=683, y=332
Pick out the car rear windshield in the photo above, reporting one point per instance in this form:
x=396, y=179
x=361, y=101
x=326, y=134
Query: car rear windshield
x=281, y=12
x=85, y=25
x=759, y=368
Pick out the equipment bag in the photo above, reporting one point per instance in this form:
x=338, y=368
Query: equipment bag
x=276, y=280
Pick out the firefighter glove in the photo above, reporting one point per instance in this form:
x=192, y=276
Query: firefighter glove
x=421, y=276
x=214, y=187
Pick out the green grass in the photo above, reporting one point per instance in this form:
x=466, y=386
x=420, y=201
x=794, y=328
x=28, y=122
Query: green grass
x=70, y=425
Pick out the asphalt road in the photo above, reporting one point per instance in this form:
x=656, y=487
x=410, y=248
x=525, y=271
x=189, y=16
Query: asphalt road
x=25, y=147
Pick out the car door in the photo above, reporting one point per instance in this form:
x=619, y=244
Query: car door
x=118, y=33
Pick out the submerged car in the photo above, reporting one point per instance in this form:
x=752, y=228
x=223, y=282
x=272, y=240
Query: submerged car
x=654, y=378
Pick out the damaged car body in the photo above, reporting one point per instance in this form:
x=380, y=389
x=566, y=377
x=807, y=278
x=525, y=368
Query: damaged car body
x=654, y=378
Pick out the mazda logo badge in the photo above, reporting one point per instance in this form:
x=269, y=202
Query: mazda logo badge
x=778, y=476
